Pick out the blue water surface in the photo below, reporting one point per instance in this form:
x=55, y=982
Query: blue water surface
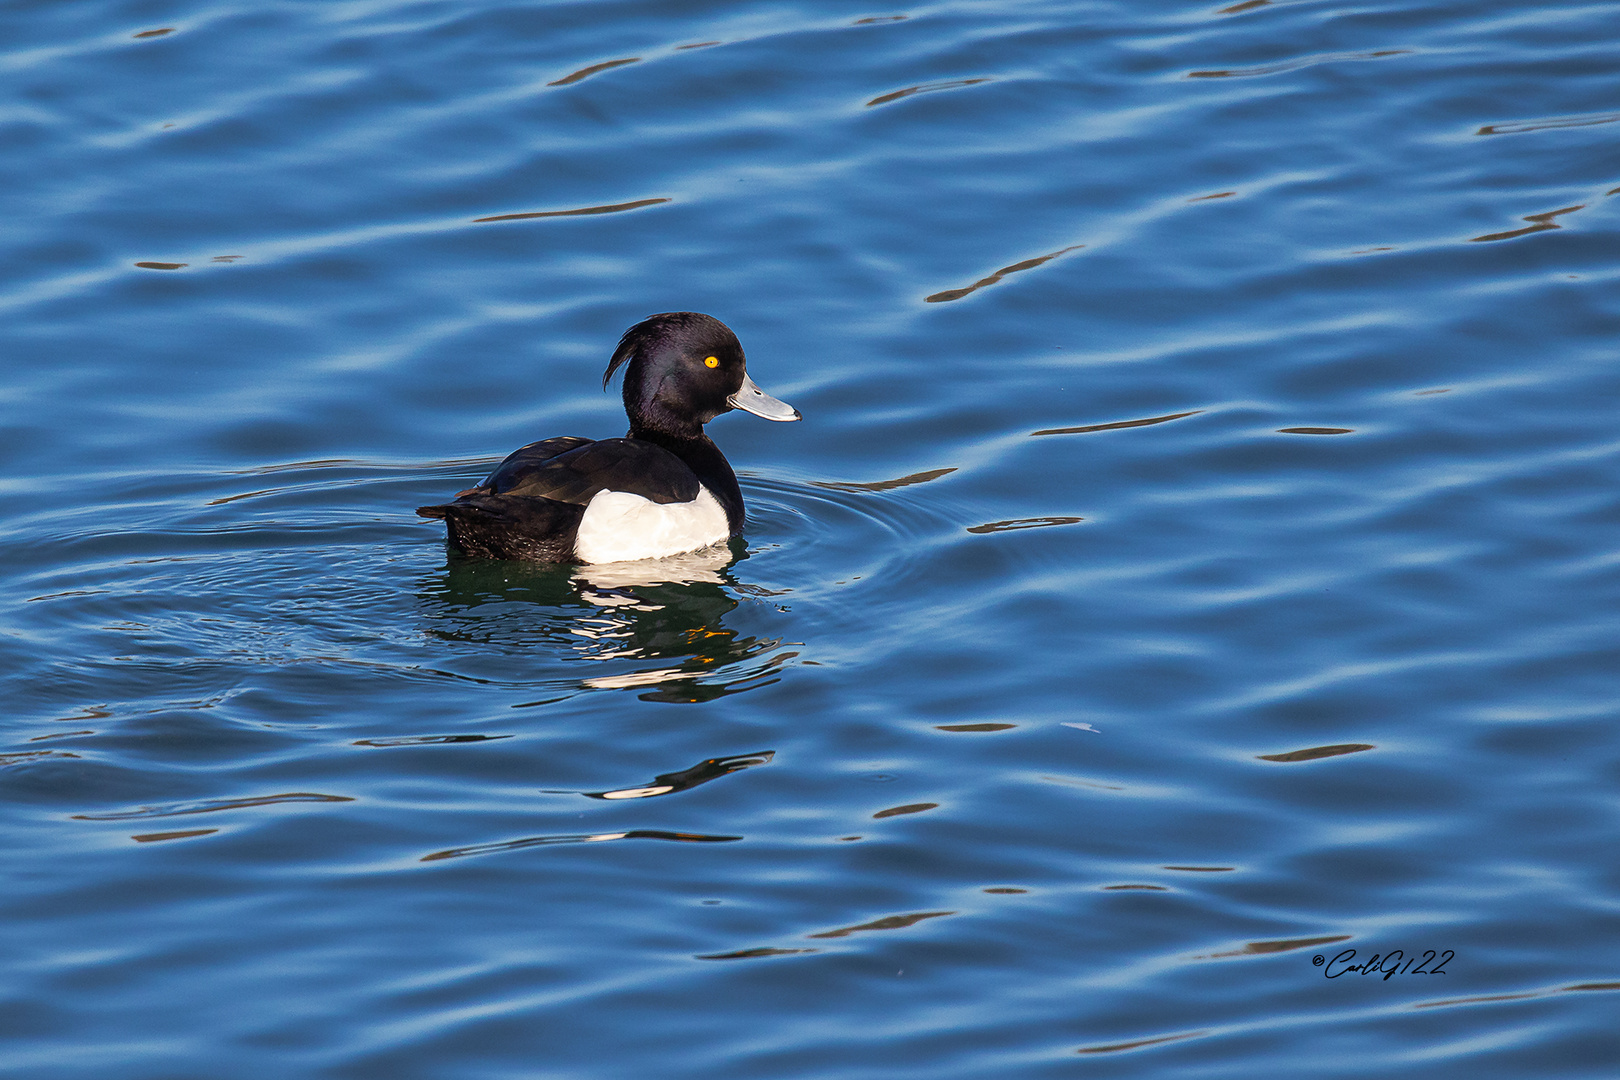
x=1198, y=559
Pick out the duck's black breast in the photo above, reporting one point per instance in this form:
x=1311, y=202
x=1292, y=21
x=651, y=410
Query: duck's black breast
x=531, y=506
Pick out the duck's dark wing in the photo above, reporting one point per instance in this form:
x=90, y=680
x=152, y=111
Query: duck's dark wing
x=576, y=475
x=524, y=460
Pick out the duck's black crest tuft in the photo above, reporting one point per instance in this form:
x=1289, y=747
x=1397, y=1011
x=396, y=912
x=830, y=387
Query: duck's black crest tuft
x=654, y=329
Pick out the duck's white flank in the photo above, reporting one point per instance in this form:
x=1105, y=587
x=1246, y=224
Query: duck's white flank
x=620, y=527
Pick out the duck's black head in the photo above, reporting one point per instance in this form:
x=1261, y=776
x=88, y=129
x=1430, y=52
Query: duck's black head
x=686, y=369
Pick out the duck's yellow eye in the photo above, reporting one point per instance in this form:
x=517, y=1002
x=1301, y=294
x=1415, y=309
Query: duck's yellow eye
x=711, y=361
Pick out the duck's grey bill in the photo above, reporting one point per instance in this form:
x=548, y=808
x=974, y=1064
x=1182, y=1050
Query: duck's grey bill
x=752, y=399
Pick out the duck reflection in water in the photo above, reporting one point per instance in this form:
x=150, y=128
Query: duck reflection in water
x=654, y=610
x=671, y=783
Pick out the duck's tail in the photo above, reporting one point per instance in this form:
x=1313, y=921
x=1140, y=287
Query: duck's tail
x=510, y=526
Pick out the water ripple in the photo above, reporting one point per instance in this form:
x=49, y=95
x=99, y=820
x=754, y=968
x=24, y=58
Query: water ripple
x=1551, y=123
x=208, y=806
x=925, y=88
x=1017, y=267
x=587, y=72
x=583, y=211
x=1295, y=64
x=1538, y=223
x=1116, y=425
x=579, y=838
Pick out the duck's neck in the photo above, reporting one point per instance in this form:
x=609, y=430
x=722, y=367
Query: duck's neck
x=705, y=459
